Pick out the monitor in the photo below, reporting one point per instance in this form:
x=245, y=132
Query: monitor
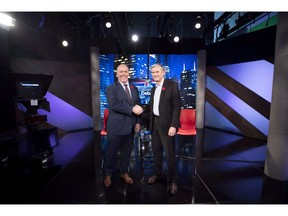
x=28, y=89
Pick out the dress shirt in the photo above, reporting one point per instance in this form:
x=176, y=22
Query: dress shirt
x=156, y=98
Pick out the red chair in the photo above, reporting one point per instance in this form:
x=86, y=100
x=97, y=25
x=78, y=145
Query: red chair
x=103, y=131
x=187, y=122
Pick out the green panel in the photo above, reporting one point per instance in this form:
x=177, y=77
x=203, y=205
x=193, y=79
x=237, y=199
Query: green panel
x=271, y=22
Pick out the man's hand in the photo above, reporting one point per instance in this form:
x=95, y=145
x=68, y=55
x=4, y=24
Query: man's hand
x=137, y=128
x=172, y=131
x=137, y=110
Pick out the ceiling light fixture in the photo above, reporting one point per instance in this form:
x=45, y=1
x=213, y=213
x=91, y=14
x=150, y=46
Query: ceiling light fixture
x=65, y=43
x=108, y=20
x=134, y=37
x=108, y=24
x=6, y=20
x=198, y=22
x=176, y=39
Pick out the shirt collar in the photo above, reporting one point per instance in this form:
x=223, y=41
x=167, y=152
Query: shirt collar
x=124, y=84
x=161, y=83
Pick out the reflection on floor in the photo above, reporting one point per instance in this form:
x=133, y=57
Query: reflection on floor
x=223, y=169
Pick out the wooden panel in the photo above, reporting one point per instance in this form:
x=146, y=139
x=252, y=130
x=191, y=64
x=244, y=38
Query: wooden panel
x=251, y=98
x=237, y=120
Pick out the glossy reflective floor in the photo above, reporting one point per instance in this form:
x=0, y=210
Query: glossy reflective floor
x=213, y=168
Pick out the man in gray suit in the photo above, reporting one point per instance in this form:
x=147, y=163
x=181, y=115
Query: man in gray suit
x=123, y=121
x=165, y=106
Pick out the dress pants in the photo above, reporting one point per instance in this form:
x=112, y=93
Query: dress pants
x=124, y=143
x=160, y=140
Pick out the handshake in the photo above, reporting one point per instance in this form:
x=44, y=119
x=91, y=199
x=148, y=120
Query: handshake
x=137, y=110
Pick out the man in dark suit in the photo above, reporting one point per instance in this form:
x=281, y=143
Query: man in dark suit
x=164, y=121
x=123, y=121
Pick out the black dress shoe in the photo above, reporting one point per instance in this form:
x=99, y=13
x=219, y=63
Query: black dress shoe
x=127, y=178
x=173, y=188
x=107, y=181
x=153, y=179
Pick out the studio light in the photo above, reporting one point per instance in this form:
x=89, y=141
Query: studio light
x=198, y=22
x=176, y=39
x=6, y=20
x=65, y=43
x=134, y=37
x=108, y=24
x=108, y=21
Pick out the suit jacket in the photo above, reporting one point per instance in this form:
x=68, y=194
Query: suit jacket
x=169, y=106
x=121, y=120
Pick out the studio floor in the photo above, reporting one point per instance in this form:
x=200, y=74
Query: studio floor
x=213, y=168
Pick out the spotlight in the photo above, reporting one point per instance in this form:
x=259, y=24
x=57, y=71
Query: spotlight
x=65, y=43
x=108, y=20
x=134, y=37
x=198, y=25
x=198, y=22
x=6, y=20
x=108, y=24
x=176, y=39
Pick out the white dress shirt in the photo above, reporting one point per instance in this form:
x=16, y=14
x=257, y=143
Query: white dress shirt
x=156, y=98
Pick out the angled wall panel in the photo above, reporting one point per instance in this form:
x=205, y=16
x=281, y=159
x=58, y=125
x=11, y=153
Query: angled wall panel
x=215, y=119
x=256, y=75
x=64, y=116
x=245, y=90
x=243, y=109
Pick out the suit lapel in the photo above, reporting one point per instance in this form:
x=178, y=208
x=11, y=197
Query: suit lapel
x=162, y=94
x=121, y=89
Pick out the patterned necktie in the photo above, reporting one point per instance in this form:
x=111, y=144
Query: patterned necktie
x=127, y=91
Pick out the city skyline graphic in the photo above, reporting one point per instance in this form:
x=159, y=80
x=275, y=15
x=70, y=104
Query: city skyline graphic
x=179, y=68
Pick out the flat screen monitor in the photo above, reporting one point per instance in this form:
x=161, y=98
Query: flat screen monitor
x=26, y=89
x=32, y=86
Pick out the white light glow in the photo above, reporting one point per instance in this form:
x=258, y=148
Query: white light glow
x=108, y=25
x=198, y=25
x=135, y=38
x=65, y=43
x=176, y=39
x=6, y=20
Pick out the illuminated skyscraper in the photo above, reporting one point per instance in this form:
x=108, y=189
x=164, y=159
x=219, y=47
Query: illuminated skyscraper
x=106, y=69
x=188, y=89
x=139, y=62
